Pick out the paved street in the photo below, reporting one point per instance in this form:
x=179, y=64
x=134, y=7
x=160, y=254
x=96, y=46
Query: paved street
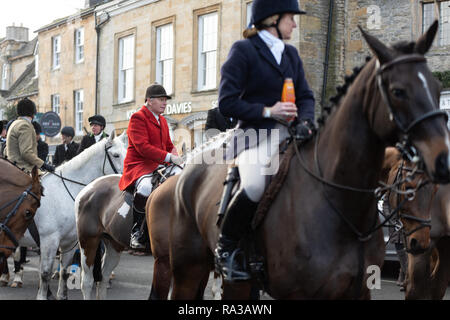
x=134, y=277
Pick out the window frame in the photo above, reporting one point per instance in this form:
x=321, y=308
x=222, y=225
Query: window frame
x=436, y=9
x=5, y=76
x=78, y=112
x=117, y=69
x=155, y=77
x=79, y=47
x=58, y=106
x=197, y=88
x=56, y=55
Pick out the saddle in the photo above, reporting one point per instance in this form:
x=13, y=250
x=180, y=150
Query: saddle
x=255, y=261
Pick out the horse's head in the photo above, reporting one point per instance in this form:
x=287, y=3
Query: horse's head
x=117, y=149
x=405, y=105
x=413, y=201
x=18, y=207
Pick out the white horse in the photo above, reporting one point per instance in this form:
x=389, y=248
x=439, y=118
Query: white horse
x=55, y=219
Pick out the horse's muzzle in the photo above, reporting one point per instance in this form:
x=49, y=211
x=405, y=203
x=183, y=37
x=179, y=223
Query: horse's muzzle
x=442, y=172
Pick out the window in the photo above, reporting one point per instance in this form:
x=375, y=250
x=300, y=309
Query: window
x=56, y=52
x=79, y=101
x=79, y=45
x=164, y=56
x=248, y=11
x=5, y=75
x=207, y=51
x=56, y=104
x=126, y=69
x=429, y=15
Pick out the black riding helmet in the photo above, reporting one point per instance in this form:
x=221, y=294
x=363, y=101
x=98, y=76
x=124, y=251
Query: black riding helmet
x=262, y=9
x=68, y=132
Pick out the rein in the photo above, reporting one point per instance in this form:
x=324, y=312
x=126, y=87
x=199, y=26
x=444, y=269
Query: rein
x=3, y=226
x=107, y=156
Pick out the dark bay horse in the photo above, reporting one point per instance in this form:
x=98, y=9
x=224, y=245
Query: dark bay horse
x=316, y=236
x=428, y=274
x=20, y=196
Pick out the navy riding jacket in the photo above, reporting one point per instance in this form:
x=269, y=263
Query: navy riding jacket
x=252, y=79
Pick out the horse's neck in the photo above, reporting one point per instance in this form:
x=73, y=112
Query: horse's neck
x=349, y=151
x=89, y=171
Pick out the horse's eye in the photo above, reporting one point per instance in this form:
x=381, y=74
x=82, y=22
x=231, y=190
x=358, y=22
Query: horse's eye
x=399, y=93
x=28, y=215
x=116, y=155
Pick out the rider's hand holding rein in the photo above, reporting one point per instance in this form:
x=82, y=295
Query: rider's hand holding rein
x=283, y=110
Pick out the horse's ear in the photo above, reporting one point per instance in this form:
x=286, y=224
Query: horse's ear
x=112, y=135
x=377, y=47
x=426, y=40
x=35, y=175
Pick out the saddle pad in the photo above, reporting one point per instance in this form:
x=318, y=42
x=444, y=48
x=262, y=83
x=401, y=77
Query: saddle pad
x=274, y=187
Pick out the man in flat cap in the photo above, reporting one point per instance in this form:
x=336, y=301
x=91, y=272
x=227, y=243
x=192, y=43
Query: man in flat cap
x=98, y=124
x=149, y=145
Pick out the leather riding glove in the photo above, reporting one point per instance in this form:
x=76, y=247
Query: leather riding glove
x=175, y=159
x=48, y=167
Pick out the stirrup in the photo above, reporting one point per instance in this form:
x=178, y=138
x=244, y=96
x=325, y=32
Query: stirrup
x=227, y=271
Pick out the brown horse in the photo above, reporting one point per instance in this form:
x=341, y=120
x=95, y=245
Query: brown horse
x=411, y=199
x=317, y=235
x=20, y=198
x=428, y=274
x=158, y=211
x=103, y=214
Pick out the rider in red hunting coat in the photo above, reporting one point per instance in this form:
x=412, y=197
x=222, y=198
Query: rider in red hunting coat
x=149, y=145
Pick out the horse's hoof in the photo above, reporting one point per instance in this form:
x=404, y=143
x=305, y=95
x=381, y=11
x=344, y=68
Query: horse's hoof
x=3, y=283
x=16, y=284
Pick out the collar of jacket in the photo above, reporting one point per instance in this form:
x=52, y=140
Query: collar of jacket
x=151, y=117
x=104, y=135
x=265, y=52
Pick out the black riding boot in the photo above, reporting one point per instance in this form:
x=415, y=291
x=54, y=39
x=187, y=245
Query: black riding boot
x=137, y=235
x=236, y=222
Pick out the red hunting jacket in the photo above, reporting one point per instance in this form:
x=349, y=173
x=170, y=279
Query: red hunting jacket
x=148, y=144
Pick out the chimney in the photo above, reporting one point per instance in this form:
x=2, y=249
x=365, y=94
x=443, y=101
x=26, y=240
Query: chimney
x=17, y=33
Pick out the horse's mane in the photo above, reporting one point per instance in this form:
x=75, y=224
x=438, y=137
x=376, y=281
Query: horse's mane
x=211, y=144
x=80, y=160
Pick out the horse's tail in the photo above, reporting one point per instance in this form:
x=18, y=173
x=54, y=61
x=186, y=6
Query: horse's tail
x=98, y=263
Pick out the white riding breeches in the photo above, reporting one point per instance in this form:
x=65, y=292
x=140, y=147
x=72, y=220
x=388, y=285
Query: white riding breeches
x=257, y=164
x=144, y=185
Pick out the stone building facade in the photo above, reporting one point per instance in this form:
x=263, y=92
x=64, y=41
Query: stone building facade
x=17, y=67
x=67, y=69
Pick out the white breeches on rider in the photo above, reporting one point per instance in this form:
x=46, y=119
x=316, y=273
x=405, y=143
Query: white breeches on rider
x=144, y=185
x=257, y=164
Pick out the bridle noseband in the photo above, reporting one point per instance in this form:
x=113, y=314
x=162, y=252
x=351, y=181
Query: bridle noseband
x=3, y=226
x=409, y=58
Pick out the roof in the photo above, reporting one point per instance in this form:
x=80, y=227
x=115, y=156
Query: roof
x=58, y=22
x=25, y=50
x=26, y=85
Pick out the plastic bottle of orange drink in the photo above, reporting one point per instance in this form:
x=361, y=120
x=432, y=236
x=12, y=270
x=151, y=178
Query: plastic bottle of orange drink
x=288, y=93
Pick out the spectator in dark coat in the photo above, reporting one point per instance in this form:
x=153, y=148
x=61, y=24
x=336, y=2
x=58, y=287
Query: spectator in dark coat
x=68, y=149
x=216, y=120
x=98, y=124
x=42, y=146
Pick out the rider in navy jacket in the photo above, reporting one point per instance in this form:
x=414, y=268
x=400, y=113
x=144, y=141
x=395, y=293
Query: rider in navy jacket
x=250, y=91
x=252, y=80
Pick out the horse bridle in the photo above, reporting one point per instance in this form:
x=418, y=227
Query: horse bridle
x=409, y=195
x=3, y=226
x=409, y=58
x=108, y=146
